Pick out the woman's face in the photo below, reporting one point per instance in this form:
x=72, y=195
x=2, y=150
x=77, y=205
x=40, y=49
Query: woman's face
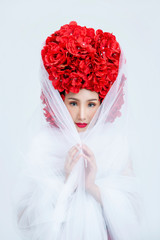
x=82, y=107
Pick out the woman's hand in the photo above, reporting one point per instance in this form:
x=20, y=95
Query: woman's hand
x=90, y=174
x=71, y=160
x=91, y=169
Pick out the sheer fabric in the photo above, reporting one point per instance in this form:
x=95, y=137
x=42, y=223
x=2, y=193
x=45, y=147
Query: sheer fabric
x=47, y=207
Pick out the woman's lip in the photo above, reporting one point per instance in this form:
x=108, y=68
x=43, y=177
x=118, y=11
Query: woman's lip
x=81, y=125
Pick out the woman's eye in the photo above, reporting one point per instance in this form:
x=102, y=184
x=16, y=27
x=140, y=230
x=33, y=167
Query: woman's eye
x=73, y=103
x=91, y=104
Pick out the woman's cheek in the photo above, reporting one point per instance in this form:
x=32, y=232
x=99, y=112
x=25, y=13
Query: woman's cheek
x=73, y=113
x=93, y=112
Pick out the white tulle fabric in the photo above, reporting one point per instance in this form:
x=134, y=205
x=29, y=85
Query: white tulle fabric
x=49, y=208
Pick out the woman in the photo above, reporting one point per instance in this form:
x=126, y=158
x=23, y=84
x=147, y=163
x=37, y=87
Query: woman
x=79, y=183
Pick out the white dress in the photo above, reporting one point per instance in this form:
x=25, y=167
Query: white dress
x=83, y=217
x=48, y=208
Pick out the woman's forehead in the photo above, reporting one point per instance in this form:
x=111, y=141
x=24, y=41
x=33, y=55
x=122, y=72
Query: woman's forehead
x=83, y=94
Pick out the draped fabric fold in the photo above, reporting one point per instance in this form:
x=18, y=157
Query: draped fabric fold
x=48, y=207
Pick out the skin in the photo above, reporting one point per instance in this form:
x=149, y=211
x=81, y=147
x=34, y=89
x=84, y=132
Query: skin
x=82, y=106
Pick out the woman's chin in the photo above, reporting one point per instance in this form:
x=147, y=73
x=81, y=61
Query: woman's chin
x=81, y=129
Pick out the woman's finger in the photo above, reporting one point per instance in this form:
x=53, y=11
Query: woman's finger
x=71, y=155
x=90, y=162
x=87, y=150
x=74, y=147
x=76, y=160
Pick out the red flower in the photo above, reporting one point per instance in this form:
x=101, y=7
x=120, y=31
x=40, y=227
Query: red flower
x=77, y=57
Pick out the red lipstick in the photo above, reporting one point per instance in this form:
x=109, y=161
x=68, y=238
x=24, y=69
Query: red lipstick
x=81, y=125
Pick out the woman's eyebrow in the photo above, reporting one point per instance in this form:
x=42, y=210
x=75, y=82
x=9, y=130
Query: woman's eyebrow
x=92, y=100
x=87, y=100
x=74, y=99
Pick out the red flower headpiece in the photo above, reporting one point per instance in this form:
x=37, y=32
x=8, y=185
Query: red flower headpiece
x=77, y=57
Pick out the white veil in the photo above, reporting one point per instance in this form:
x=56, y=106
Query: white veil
x=47, y=207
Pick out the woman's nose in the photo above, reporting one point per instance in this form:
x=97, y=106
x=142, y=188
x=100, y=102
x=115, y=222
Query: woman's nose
x=82, y=115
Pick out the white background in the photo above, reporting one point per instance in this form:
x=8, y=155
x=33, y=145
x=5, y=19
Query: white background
x=24, y=27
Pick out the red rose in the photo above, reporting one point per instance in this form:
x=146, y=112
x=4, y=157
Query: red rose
x=77, y=57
